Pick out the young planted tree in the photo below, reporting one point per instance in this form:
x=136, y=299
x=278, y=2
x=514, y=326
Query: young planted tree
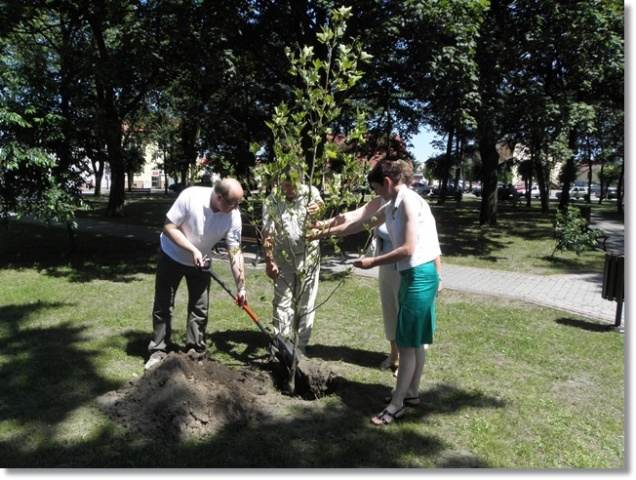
x=302, y=154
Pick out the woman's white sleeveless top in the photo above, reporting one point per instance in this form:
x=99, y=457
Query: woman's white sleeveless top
x=427, y=244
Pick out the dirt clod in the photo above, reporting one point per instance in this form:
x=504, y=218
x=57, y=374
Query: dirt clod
x=315, y=379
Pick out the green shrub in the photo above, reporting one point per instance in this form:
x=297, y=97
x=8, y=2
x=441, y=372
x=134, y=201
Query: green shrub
x=571, y=231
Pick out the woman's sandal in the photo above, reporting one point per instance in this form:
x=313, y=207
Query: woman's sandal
x=408, y=401
x=385, y=417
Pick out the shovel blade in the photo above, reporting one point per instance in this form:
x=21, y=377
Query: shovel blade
x=283, y=351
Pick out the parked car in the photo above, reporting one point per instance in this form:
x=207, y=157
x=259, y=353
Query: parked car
x=507, y=192
x=596, y=190
x=578, y=192
x=176, y=187
x=535, y=192
x=421, y=188
x=451, y=192
x=612, y=192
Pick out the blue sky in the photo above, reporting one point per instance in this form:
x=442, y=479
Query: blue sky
x=422, y=147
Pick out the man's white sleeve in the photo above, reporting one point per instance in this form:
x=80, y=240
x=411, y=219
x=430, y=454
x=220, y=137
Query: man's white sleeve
x=178, y=211
x=233, y=236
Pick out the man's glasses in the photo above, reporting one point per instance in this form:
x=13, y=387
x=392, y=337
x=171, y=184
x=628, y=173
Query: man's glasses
x=229, y=204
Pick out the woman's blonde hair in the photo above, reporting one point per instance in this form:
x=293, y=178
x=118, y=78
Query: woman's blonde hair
x=407, y=172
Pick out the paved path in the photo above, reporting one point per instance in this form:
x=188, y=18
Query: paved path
x=615, y=232
x=574, y=293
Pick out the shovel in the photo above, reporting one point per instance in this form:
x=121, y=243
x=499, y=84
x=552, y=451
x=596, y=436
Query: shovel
x=278, y=347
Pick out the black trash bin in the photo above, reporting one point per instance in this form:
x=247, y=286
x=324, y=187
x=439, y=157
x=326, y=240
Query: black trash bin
x=614, y=282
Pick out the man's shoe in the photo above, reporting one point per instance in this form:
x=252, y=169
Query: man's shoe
x=154, y=360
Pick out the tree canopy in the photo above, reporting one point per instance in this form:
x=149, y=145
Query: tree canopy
x=89, y=81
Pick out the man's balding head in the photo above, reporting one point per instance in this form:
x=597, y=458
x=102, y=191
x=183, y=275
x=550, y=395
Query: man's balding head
x=227, y=195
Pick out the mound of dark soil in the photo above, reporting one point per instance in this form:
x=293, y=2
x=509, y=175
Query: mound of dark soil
x=183, y=399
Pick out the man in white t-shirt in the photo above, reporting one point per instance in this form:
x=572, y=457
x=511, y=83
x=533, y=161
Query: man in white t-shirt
x=198, y=219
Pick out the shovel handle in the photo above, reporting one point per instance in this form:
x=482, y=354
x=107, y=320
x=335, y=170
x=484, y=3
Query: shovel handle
x=245, y=307
x=250, y=312
x=254, y=318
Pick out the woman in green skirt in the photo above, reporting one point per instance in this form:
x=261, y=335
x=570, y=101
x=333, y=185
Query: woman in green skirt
x=417, y=255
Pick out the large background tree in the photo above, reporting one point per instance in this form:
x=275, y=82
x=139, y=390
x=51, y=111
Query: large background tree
x=567, y=65
x=442, y=40
x=40, y=154
x=200, y=78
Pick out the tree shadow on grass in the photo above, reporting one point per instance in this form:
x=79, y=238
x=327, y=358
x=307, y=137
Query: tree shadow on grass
x=468, y=243
x=246, y=345
x=368, y=399
x=459, y=231
x=576, y=265
x=137, y=344
x=310, y=438
x=461, y=235
x=461, y=459
x=442, y=399
x=242, y=345
x=45, y=373
x=97, y=257
x=47, y=377
x=354, y=356
x=330, y=437
x=585, y=325
x=445, y=398
x=526, y=223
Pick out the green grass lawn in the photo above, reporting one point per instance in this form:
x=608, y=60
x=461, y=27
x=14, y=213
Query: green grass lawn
x=146, y=210
x=606, y=210
x=521, y=241
x=506, y=385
